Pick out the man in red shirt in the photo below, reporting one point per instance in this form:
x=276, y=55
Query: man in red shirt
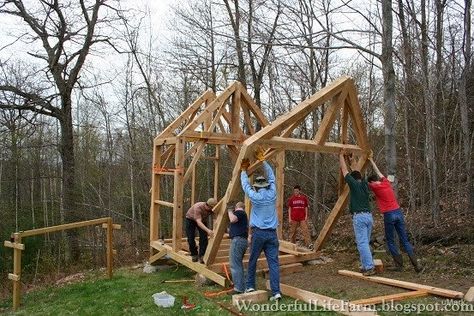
x=298, y=216
x=392, y=218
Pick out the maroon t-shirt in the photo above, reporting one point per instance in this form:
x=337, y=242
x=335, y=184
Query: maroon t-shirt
x=298, y=206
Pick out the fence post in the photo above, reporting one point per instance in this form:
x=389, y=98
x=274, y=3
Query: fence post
x=17, y=272
x=110, y=253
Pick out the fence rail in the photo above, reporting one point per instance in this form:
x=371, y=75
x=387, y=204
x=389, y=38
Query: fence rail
x=16, y=244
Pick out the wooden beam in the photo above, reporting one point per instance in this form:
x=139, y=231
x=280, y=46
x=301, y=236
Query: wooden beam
x=14, y=245
x=216, y=171
x=110, y=252
x=198, y=267
x=329, y=118
x=300, y=112
x=178, y=195
x=252, y=106
x=210, y=108
x=280, y=181
x=357, y=118
x=323, y=301
x=114, y=226
x=308, y=145
x=180, y=120
x=164, y=203
x=17, y=272
x=215, y=138
x=390, y=298
x=155, y=192
x=57, y=228
x=235, y=113
x=252, y=297
x=13, y=277
x=403, y=284
x=157, y=256
x=165, y=141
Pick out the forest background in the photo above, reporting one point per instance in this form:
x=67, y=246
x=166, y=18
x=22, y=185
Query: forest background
x=86, y=85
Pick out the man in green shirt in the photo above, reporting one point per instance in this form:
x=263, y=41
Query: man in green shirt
x=362, y=220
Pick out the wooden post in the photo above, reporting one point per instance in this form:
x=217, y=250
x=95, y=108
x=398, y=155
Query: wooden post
x=110, y=254
x=193, y=185
x=178, y=195
x=216, y=171
x=155, y=196
x=280, y=182
x=17, y=272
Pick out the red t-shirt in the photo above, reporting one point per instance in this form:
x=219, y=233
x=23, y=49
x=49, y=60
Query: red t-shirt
x=298, y=205
x=384, y=195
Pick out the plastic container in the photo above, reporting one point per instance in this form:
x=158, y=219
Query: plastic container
x=163, y=299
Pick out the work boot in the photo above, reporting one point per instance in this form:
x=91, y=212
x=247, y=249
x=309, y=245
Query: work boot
x=195, y=258
x=201, y=260
x=418, y=267
x=398, y=264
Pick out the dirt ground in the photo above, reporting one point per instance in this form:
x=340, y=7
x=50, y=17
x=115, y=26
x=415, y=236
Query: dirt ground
x=445, y=267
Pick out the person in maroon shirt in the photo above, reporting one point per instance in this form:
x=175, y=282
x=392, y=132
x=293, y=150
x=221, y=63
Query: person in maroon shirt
x=392, y=218
x=298, y=216
x=195, y=218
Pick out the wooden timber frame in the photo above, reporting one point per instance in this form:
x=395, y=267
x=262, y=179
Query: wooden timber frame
x=232, y=119
x=16, y=244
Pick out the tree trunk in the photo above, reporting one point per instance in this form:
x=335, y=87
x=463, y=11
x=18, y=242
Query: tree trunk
x=389, y=89
x=69, y=176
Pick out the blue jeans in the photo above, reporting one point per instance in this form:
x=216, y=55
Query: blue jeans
x=266, y=240
x=363, y=223
x=238, y=247
x=394, y=221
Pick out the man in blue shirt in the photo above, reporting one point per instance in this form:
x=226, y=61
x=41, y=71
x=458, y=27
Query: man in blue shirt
x=263, y=224
x=238, y=233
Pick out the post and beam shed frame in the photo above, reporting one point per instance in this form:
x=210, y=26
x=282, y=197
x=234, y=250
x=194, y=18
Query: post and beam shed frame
x=233, y=121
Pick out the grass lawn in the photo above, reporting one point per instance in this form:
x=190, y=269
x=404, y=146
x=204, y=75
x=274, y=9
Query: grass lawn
x=128, y=293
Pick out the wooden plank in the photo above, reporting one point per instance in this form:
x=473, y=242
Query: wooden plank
x=13, y=277
x=114, y=226
x=280, y=181
x=252, y=106
x=210, y=108
x=52, y=229
x=336, y=210
x=17, y=272
x=287, y=245
x=357, y=118
x=390, y=298
x=157, y=256
x=110, y=253
x=178, y=196
x=198, y=267
x=235, y=112
x=308, y=145
x=323, y=301
x=252, y=297
x=14, y=245
x=164, y=203
x=403, y=284
x=155, y=194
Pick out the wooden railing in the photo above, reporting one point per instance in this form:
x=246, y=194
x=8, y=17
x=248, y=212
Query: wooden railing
x=18, y=247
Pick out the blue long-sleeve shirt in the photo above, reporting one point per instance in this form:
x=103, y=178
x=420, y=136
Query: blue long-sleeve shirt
x=263, y=214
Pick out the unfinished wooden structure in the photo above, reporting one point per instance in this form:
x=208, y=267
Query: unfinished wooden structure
x=232, y=121
x=16, y=244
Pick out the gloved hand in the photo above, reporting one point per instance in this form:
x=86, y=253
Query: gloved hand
x=260, y=154
x=244, y=165
x=371, y=155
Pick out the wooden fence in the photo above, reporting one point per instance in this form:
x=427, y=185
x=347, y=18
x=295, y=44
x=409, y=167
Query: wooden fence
x=18, y=247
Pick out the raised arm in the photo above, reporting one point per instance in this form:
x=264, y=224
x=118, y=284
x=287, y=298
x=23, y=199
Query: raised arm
x=232, y=217
x=269, y=172
x=376, y=169
x=342, y=164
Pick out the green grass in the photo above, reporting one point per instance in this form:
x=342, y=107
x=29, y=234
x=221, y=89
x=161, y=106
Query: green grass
x=129, y=292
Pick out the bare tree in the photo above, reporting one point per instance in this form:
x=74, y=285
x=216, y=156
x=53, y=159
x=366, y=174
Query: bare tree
x=66, y=33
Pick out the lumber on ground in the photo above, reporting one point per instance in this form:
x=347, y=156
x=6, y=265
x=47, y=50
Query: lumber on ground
x=404, y=284
x=325, y=302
